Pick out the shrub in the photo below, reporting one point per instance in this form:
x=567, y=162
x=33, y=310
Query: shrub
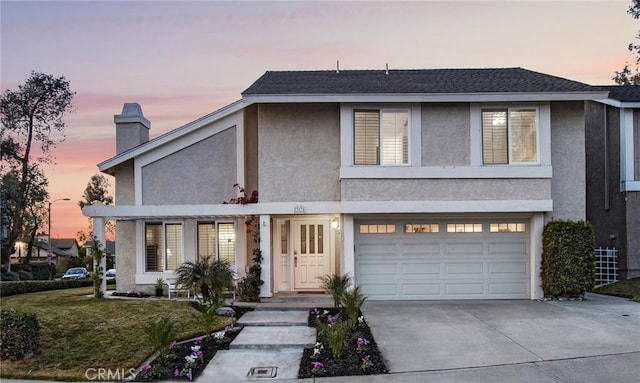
x=41, y=271
x=249, y=286
x=24, y=287
x=25, y=275
x=19, y=334
x=336, y=285
x=10, y=276
x=161, y=333
x=568, y=262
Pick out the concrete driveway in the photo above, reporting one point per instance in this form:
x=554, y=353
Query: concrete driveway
x=436, y=336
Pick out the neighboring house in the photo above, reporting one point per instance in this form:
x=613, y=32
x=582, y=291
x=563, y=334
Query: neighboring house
x=613, y=174
x=421, y=184
x=70, y=245
x=39, y=253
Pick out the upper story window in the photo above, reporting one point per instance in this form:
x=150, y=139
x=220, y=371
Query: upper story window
x=509, y=136
x=381, y=137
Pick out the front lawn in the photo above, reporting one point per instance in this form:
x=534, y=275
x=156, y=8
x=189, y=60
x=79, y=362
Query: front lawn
x=80, y=335
x=628, y=288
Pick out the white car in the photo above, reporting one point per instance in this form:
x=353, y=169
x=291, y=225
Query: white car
x=110, y=275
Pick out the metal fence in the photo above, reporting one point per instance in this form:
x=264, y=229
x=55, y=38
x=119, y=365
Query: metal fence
x=606, y=265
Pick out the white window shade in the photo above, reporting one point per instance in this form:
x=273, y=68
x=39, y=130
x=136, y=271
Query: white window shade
x=366, y=137
x=524, y=141
x=395, y=142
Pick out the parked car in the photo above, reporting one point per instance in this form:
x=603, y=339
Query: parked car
x=110, y=275
x=76, y=273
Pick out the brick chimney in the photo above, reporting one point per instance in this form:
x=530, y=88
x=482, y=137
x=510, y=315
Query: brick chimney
x=132, y=129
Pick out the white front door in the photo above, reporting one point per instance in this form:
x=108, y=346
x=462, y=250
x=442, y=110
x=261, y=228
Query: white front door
x=311, y=253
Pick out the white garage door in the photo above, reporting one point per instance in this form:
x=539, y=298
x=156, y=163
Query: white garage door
x=449, y=259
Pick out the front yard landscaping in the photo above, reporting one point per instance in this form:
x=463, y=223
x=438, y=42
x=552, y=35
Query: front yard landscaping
x=80, y=335
x=341, y=349
x=628, y=288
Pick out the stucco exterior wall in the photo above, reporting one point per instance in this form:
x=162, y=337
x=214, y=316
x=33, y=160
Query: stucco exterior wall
x=126, y=255
x=124, y=184
x=568, y=160
x=445, y=189
x=631, y=266
x=202, y=173
x=299, y=152
x=251, y=164
x=445, y=134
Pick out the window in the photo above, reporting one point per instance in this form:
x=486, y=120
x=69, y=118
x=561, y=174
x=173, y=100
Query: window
x=163, y=246
x=421, y=228
x=217, y=241
x=377, y=229
x=381, y=137
x=464, y=228
x=507, y=227
x=509, y=136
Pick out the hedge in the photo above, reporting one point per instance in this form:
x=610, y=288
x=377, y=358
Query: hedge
x=41, y=271
x=23, y=287
x=19, y=334
x=568, y=261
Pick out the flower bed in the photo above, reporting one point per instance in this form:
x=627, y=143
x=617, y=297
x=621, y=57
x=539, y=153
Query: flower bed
x=359, y=355
x=187, y=360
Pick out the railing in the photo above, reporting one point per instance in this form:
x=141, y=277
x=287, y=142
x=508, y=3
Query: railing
x=606, y=265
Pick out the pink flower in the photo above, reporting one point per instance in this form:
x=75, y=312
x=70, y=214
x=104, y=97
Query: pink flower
x=176, y=373
x=317, y=365
x=173, y=344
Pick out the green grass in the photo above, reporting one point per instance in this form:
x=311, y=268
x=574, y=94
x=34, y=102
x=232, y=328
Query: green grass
x=80, y=333
x=628, y=288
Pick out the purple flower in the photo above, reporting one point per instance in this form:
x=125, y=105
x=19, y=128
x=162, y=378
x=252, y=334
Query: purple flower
x=146, y=367
x=172, y=344
x=198, y=340
x=317, y=365
x=331, y=320
x=361, y=342
x=176, y=373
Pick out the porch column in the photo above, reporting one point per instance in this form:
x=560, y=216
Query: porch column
x=535, y=256
x=265, y=247
x=98, y=232
x=348, y=248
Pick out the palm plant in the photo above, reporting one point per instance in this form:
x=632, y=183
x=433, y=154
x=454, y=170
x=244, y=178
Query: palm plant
x=208, y=277
x=336, y=285
x=352, y=302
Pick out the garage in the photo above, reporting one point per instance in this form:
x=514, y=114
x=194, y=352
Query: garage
x=446, y=259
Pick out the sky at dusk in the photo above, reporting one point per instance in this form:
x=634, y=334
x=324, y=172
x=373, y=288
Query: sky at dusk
x=181, y=60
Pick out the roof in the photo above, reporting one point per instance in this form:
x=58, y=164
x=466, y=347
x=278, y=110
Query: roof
x=63, y=243
x=438, y=81
x=623, y=93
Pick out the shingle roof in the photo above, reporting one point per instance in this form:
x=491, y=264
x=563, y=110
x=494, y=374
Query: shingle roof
x=623, y=93
x=63, y=243
x=438, y=81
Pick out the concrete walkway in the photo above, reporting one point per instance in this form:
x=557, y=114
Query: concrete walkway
x=271, y=343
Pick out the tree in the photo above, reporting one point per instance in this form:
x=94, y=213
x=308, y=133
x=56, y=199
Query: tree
x=32, y=120
x=629, y=76
x=97, y=193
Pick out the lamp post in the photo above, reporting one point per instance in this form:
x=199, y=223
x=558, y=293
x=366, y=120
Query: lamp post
x=50, y=251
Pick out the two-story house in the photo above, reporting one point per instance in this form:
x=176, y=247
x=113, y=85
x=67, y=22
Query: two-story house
x=421, y=184
x=613, y=174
